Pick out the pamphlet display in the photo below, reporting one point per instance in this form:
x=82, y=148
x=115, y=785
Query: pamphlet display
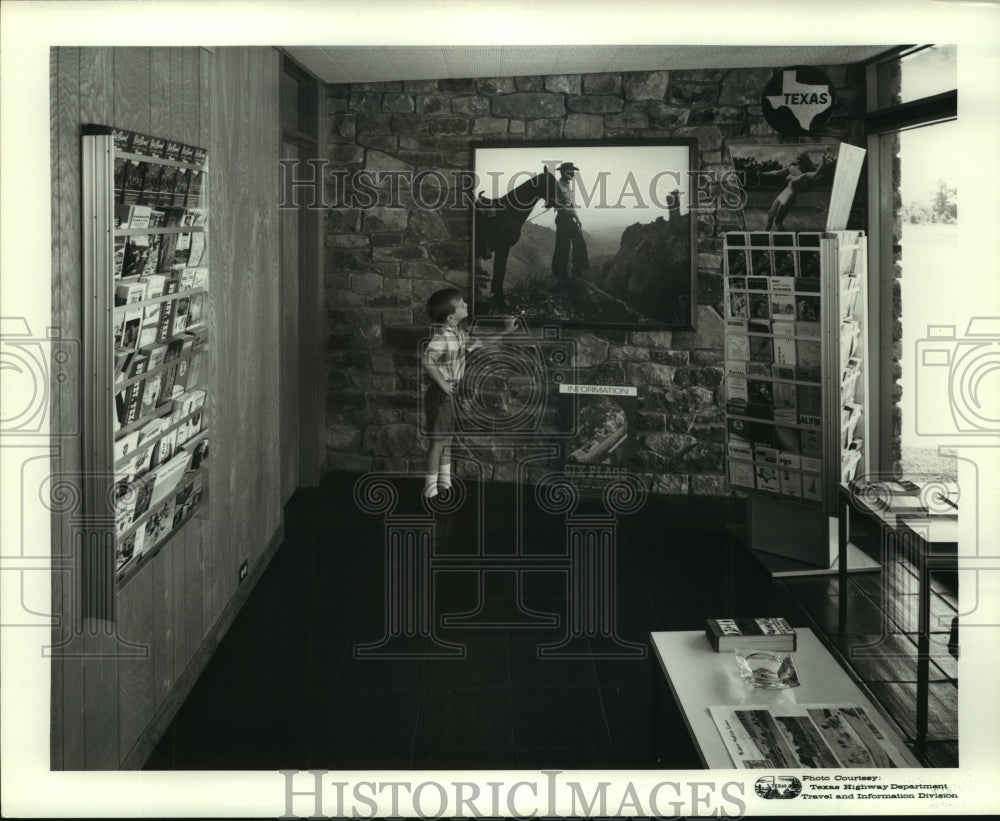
x=147, y=254
x=794, y=379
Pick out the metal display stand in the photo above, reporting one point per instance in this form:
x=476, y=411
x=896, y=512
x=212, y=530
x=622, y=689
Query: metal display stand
x=795, y=357
x=145, y=395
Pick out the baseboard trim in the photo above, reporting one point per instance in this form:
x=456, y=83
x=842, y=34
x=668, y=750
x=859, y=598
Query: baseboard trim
x=155, y=730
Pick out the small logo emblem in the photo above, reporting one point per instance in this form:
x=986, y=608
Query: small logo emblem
x=798, y=100
x=778, y=786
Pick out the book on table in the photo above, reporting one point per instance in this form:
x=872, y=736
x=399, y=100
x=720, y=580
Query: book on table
x=753, y=634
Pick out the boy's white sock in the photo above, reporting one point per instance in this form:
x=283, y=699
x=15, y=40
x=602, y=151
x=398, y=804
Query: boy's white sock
x=431, y=486
x=444, y=479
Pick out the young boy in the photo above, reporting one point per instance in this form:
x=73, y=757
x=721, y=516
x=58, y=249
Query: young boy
x=444, y=362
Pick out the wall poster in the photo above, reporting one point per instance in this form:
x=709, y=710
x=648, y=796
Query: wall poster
x=602, y=446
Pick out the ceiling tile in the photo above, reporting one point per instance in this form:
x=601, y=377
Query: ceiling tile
x=382, y=63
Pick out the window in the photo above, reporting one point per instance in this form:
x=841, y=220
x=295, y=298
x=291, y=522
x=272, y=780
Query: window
x=928, y=296
x=917, y=74
x=913, y=202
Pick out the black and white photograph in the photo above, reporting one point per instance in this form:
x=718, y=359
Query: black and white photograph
x=473, y=363
x=585, y=234
x=787, y=187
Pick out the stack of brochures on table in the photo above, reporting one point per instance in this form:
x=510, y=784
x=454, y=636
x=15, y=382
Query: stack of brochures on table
x=751, y=634
x=790, y=736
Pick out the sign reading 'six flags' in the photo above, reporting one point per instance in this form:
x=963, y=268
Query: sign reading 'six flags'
x=798, y=100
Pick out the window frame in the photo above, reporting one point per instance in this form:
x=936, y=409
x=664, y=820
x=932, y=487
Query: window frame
x=880, y=123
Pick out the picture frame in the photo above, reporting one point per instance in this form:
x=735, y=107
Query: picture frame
x=636, y=263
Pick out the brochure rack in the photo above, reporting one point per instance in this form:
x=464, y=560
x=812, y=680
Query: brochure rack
x=795, y=348
x=146, y=311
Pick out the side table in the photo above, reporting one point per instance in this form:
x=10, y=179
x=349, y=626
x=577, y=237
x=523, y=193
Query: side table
x=932, y=541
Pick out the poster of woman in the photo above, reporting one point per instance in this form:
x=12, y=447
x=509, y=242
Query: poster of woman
x=788, y=187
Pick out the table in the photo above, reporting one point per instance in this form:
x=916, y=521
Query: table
x=932, y=540
x=935, y=544
x=887, y=522
x=700, y=678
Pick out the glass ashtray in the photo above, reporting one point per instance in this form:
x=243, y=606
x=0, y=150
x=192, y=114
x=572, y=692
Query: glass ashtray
x=767, y=670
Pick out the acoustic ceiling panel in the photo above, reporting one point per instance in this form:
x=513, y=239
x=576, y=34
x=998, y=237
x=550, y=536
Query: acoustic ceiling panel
x=382, y=63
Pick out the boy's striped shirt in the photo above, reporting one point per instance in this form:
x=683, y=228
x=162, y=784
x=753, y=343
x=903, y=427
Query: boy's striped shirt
x=447, y=349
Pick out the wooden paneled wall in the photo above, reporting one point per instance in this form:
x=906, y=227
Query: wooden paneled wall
x=110, y=686
x=246, y=302
x=290, y=374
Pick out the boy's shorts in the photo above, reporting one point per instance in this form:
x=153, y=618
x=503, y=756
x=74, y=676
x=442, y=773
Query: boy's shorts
x=439, y=412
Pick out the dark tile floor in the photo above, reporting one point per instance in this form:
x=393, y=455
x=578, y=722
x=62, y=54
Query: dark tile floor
x=305, y=679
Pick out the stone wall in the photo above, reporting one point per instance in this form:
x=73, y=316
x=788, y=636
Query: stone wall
x=384, y=261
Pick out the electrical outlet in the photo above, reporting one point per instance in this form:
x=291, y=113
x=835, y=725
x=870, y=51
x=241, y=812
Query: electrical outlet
x=244, y=567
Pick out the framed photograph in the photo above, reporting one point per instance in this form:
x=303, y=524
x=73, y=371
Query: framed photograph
x=585, y=233
x=788, y=187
